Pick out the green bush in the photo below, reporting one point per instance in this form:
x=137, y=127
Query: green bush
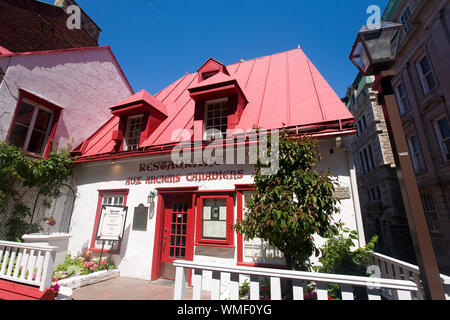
x=338, y=257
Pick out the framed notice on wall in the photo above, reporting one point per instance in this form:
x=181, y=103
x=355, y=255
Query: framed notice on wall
x=112, y=223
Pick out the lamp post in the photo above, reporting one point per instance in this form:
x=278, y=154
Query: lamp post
x=374, y=53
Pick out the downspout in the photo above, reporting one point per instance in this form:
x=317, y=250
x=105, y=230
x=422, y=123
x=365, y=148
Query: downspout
x=355, y=194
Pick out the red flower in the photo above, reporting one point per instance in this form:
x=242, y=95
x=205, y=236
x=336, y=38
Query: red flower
x=330, y=298
x=265, y=288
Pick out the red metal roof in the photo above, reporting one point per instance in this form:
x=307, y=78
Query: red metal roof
x=283, y=90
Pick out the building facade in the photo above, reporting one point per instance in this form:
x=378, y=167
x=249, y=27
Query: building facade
x=32, y=25
x=422, y=87
x=379, y=190
x=185, y=210
x=52, y=100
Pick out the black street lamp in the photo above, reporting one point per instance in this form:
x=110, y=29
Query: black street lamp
x=374, y=53
x=375, y=47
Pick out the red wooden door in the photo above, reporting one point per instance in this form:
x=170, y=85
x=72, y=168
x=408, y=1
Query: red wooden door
x=178, y=235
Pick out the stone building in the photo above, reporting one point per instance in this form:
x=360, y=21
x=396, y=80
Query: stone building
x=422, y=87
x=379, y=190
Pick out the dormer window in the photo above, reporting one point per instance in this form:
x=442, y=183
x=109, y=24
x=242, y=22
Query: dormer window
x=219, y=101
x=139, y=116
x=133, y=133
x=216, y=116
x=207, y=75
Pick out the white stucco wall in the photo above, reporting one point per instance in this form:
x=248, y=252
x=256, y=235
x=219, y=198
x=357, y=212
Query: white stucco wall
x=85, y=83
x=136, y=256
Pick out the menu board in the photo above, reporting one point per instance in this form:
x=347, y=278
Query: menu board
x=112, y=223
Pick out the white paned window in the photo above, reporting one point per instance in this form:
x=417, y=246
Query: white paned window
x=430, y=212
x=426, y=74
x=32, y=126
x=216, y=119
x=214, y=219
x=443, y=133
x=416, y=154
x=402, y=99
x=133, y=133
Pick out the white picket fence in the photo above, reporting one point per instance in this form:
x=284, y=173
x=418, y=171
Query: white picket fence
x=396, y=269
x=222, y=273
x=27, y=263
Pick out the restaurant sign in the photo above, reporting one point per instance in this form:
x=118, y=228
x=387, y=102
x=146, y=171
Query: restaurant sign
x=194, y=175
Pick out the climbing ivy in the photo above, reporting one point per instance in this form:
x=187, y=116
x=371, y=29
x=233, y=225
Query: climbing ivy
x=18, y=170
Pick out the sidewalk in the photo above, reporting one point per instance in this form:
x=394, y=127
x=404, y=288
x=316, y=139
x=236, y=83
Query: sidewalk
x=129, y=289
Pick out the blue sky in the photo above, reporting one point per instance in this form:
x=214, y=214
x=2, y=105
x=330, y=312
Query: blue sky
x=158, y=41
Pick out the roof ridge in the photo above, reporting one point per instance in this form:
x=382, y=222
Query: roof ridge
x=315, y=89
x=262, y=57
x=254, y=59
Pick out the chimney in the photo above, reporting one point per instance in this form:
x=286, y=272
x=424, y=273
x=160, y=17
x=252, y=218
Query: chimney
x=87, y=24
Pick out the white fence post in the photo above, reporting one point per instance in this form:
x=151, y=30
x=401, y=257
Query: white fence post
x=215, y=285
x=197, y=284
x=47, y=272
x=275, y=288
x=180, y=284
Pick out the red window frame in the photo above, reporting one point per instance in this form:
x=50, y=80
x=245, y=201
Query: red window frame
x=102, y=193
x=229, y=241
x=23, y=94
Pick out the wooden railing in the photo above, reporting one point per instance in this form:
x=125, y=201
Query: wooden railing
x=27, y=263
x=231, y=274
x=391, y=268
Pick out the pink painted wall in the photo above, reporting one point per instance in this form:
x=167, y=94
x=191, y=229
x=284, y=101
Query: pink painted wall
x=85, y=83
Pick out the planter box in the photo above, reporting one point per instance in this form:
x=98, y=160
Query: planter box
x=60, y=240
x=84, y=280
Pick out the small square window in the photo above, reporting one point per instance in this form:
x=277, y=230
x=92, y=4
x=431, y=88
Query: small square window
x=216, y=119
x=133, y=133
x=207, y=75
x=426, y=74
x=215, y=216
x=404, y=18
x=416, y=154
x=214, y=219
x=402, y=99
